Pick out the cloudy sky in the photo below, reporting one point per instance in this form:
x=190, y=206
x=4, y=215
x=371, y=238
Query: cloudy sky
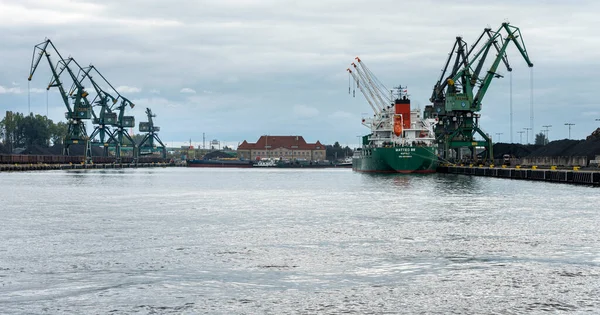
x=238, y=69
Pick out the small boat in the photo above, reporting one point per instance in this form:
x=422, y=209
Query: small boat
x=265, y=163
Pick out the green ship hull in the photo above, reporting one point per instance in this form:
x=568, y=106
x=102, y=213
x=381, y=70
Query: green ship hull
x=396, y=160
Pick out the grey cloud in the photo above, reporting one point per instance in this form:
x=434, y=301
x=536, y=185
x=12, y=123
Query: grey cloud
x=266, y=56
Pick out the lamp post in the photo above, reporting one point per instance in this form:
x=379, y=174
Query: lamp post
x=521, y=136
x=499, y=134
x=527, y=129
x=569, y=124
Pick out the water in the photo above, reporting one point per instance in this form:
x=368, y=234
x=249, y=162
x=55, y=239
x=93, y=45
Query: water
x=224, y=241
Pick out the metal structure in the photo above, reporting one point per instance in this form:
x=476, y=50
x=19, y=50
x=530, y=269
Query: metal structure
x=147, y=145
x=457, y=96
x=120, y=133
x=110, y=126
x=569, y=125
x=105, y=117
x=80, y=110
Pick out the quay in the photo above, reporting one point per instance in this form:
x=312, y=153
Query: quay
x=78, y=166
x=553, y=174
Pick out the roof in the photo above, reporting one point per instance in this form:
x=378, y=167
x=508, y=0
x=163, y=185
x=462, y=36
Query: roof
x=276, y=142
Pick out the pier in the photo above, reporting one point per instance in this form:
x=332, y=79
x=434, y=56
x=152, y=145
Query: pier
x=553, y=174
x=78, y=166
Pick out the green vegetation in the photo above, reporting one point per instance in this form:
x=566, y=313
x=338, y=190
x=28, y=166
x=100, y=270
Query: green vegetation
x=336, y=152
x=541, y=139
x=18, y=130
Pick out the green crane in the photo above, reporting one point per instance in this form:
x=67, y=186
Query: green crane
x=121, y=133
x=147, y=145
x=105, y=117
x=108, y=116
x=456, y=104
x=80, y=110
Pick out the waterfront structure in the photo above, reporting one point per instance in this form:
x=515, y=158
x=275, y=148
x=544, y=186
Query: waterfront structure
x=282, y=147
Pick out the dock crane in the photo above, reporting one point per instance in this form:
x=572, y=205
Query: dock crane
x=105, y=117
x=121, y=133
x=454, y=101
x=147, y=145
x=81, y=109
x=108, y=117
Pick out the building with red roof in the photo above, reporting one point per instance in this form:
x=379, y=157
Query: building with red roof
x=284, y=147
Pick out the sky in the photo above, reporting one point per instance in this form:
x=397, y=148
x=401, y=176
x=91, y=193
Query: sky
x=238, y=69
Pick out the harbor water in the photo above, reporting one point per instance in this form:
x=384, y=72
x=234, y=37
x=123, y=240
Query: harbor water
x=289, y=241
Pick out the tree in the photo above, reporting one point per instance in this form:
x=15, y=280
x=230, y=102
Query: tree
x=58, y=132
x=541, y=139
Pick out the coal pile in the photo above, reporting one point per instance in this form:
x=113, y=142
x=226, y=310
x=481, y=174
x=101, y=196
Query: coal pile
x=74, y=149
x=589, y=148
x=4, y=149
x=217, y=155
x=594, y=136
x=557, y=148
x=515, y=150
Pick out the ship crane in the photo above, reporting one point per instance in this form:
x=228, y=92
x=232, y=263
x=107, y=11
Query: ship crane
x=80, y=110
x=147, y=145
x=457, y=96
x=376, y=95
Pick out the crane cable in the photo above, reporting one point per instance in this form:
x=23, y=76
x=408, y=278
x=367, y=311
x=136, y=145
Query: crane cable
x=531, y=101
x=28, y=99
x=511, y=106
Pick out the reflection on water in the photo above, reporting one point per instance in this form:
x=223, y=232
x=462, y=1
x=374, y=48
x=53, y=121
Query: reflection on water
x=223, y=241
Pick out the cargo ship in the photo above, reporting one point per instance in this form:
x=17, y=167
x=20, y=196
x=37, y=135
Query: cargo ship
x=400, y=141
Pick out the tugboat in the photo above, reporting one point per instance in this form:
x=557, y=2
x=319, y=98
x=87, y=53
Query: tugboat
x=400, y=141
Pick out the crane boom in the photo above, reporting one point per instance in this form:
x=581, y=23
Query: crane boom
x=360, y=87
x=459, y=93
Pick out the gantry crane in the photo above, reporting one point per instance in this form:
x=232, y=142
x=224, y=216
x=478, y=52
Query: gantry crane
x=454, y=101
x=147, y=145
x=81, y=109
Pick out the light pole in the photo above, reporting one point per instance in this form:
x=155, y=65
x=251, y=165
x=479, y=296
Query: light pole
x=569, y=124
x=527, y=133
x=547, y=131
x=499, y=134
x=521, y=136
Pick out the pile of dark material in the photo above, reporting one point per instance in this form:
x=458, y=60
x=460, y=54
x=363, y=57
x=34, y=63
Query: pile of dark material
x=75, y=149
x=3, y=149
x=514, y=150
x=590, y=148
x=557, y=148
x=217, y=155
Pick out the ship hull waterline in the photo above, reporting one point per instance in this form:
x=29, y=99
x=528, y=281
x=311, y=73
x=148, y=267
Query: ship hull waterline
x=404, y=160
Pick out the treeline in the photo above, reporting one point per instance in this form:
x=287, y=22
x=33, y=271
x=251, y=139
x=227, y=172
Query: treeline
x=18, y=130
x=336, y=151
